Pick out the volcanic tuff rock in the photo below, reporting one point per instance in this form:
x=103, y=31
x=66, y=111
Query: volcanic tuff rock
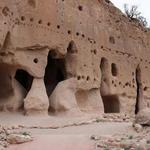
x=72, y=56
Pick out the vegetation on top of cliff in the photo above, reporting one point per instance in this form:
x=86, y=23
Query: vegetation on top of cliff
x=135, y=15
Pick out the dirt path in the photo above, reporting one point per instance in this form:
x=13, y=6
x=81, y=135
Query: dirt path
x=73, y=133
x=72, y=138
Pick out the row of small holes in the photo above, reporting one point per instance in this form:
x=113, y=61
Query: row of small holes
x=58, y=27
x=82, y=77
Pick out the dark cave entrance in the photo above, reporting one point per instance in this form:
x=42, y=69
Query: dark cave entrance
x=54, y=72
x=111, y=102
x=24, y=78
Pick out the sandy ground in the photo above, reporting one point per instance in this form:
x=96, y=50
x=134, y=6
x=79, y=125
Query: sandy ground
x=47, y=121
x=71, y=138
x=63, y=138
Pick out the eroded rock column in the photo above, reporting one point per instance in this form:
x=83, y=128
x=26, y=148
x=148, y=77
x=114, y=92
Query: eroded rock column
x=140, y=102
x=37, y=101
x=63, y=98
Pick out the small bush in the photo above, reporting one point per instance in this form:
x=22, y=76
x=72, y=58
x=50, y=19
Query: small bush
x=134, y=14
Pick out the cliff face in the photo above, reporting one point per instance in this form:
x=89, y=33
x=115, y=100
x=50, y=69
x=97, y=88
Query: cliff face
x=72, y=56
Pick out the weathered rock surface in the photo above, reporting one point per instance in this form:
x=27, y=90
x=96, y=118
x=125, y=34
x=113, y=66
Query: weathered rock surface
x=37, y=102
x=89, y=41
x=143, y=117
x=137, y=127
x=18, y=138
x=10, y=137
x=63, y=98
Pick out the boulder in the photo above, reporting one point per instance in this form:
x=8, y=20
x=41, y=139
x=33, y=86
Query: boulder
x=143, y=117
x=137, y=127
x=18, y=138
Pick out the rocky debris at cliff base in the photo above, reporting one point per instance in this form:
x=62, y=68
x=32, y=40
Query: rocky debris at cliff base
x=141, y=141
x=137, y=127
x=117, y=118
x=3, y=139
x=18, y=138
x=10, y=137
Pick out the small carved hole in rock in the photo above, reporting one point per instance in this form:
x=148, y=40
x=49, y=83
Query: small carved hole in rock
x=48, y=24
x=145, y=88
x=112, y=40
x=78, y=77
x=114, y=69
x=35, y=60
x=69, y=32
x=58, y=26
x=126, y=84
x=95, y=51
x=80, y=7
x=83, y=35
x=88, y=78
x=40, y=22
x=31, y=19
x=22, y=18
x=83, y=77
x=77, y=33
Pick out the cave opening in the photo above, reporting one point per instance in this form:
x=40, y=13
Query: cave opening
x=111, y=104
x=24, y=78
x=54, y=72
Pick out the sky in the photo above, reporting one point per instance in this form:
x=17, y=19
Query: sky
x=143, y=6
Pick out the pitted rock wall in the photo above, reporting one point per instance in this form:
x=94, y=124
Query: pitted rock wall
x=83, y=33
